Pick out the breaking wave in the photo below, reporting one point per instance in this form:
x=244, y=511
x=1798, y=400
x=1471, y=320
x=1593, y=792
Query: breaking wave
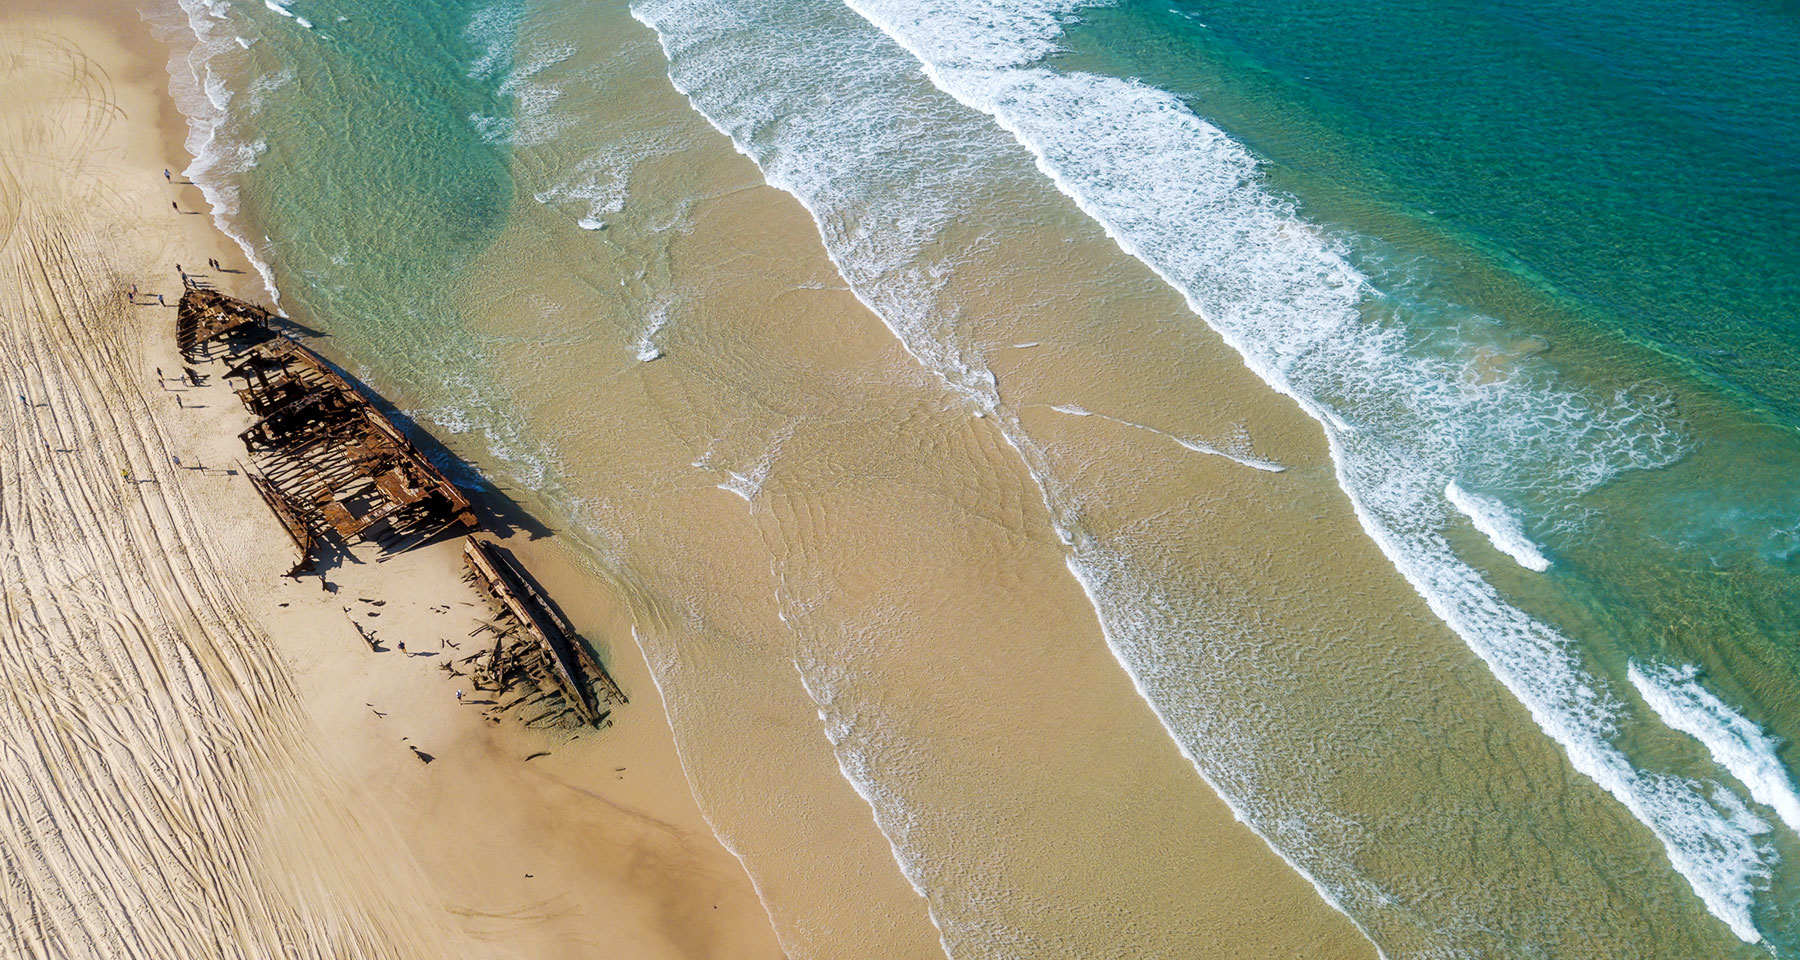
x=1404, y=414
x=1401, y=418
x=1493, y=521
x=1734, y=741
x=207, y=45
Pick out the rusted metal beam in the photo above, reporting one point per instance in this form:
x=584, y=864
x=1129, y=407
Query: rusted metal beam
x=290, y=521
x=204, y=315
x=492, y=574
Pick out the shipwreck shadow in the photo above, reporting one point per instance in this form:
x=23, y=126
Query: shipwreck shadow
x=244, y=355
x=518, y=569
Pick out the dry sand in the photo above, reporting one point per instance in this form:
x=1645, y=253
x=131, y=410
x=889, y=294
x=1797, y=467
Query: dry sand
x=199, y=758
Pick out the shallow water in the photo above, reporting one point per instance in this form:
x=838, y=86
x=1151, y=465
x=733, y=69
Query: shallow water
x=898, y=476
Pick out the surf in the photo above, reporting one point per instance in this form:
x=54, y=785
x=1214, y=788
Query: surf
x=206, y=48
x=1502, y=528
x=1185, y=199
x=1734, y=741
x=893, y=262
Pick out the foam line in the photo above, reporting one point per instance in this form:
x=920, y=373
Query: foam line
x=903, y=312
x=687, y=773
x=1734, y=741
x=203, y=49
x=1491, y=518
x=1184, y=198
x=1181, y=196
x=1196, y=446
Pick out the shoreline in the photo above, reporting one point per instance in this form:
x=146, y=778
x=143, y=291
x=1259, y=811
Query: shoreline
x=845, y=583
x=477, y=852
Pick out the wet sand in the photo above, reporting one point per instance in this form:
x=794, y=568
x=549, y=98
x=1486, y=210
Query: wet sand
x=859, y=606
x=201, y=758
x=831, y=562
x=825, y=557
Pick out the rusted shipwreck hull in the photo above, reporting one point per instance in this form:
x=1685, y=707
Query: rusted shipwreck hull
x=205, y=315
x=577, y=675
x=330, y=463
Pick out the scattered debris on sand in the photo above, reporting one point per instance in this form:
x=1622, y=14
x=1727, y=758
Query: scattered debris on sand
x=335, y=471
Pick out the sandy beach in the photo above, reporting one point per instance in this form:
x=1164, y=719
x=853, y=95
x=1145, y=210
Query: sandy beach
x=201, y=757
x=1050, y=482
x=976, y=589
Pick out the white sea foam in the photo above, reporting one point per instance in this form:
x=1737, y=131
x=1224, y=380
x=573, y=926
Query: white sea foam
x=748, y=483
x=813, y=154
x=657, y=672
x=1197, y=446
x=1735, y=742
x=472, y=403
x=1091, y=573
x=518, y=66
x=535, y=119
x=600, y=183
x=741, y=485
x=647, y=347
x=855, y=765
x=1184, y=198
x=204, y=48
x=1492, y=520
x=266, y=84
x=492, y=29
x=862, y=255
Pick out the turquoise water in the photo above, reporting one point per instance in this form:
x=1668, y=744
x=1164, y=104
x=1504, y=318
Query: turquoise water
x=1528, y=266
x=1635, y=162
x=1618, y=181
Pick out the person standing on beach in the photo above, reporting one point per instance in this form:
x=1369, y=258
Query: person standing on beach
x=167, y=177
x=403, y=648
x=160, y=301
x=459, y=696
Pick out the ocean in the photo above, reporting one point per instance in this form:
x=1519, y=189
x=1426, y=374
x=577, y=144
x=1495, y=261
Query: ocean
x=1016, y=426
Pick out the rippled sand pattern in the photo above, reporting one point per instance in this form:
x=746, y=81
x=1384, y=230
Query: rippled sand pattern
x=146, y=730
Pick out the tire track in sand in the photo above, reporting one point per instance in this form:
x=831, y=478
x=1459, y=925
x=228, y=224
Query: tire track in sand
x=150, y=741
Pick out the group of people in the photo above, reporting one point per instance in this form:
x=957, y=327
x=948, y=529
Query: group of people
x=186, y=281
x=134, y=297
